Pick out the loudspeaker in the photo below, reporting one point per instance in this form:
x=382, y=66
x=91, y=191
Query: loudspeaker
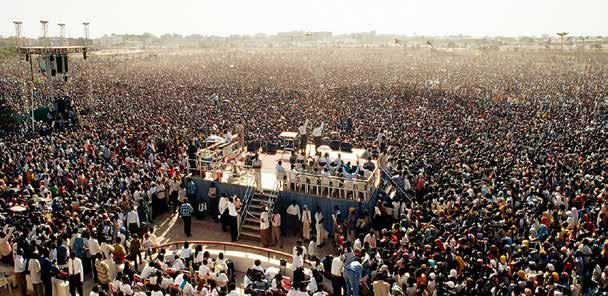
x=271, y=148
x=53, y=65
x=65, y=63
x=334, y=145
x=253, y=146
x=346, y=147
x=42, y=65
x=59, y=60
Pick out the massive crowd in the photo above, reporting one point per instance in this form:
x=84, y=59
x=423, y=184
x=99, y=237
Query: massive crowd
x=503, y=153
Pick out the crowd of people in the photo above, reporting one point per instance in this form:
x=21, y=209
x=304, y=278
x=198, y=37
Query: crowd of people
x=502, y=157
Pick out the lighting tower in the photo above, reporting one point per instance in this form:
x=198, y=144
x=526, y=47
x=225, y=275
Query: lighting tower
x=562, y=35
x=61, y=34
x=18, y=25
x=86, y=32
x=45, y=33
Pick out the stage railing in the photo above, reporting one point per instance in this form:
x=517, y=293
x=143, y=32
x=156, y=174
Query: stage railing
x=246, y=202
x=221, y=167
x=366, y=186
x=229, y=246
x=388, y=177
x=335, y=182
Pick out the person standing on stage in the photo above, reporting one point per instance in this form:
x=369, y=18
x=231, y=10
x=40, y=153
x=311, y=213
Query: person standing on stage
x=257, y=168
x=276, y=229
x=281, y=175
x=293, y=217
x=232, y=216
x=306, y=220
x=316, y=135
x=264, y=227
x=303, y=135
x=240, y=134
x=185, y=211
x=319, y=226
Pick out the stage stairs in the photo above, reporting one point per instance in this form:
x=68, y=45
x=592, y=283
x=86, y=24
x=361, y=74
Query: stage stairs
x=250, y=224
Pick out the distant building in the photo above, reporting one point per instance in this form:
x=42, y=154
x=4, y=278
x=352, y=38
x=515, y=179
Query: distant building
x=109, y=40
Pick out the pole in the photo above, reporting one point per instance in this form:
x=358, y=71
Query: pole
x=32, y=92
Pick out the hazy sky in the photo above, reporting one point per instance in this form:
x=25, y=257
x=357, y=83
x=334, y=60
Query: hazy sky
x=225, y=17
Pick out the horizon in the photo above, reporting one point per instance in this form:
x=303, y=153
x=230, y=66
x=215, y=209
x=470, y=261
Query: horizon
x=476, y=18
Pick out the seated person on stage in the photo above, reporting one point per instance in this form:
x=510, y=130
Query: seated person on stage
x=313, y=156
x=325, y=172
x=324, y=160
x=228, y=136
x=293, y=158
x=348, y=172
x=311, y=166
x=338, y=161
x=369, y=165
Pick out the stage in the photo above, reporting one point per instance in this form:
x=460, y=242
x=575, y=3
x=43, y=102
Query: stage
x=350, y=178
x=235, y=171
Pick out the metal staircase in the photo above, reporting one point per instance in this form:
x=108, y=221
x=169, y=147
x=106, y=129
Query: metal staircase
x=249, y=227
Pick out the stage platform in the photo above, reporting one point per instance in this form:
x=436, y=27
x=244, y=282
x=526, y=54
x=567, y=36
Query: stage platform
x=245, y=176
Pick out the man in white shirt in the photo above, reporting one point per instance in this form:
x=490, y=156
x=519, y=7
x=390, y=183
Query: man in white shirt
x=280, y=173
x=337, y=281
x=257, y=169
x=303, y=135
x=204, y=270
x=370, y=238
x=298, y=259
x=20, y=270
x=133, y=221
x=233, y=219
x=94, y=249
x=316, y=135
x=178, y=264
x=148, y=270
x=264, y=227
x=293, y=217
x=76, y=274
x=34, y=268
x=223, y=209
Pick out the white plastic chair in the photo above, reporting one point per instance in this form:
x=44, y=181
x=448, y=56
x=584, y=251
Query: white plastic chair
x=302, y=183
x=293, y=180
x=361, y=188
x=326, y=184
x=313, y=183
x=280, y=181
x=349, y=186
